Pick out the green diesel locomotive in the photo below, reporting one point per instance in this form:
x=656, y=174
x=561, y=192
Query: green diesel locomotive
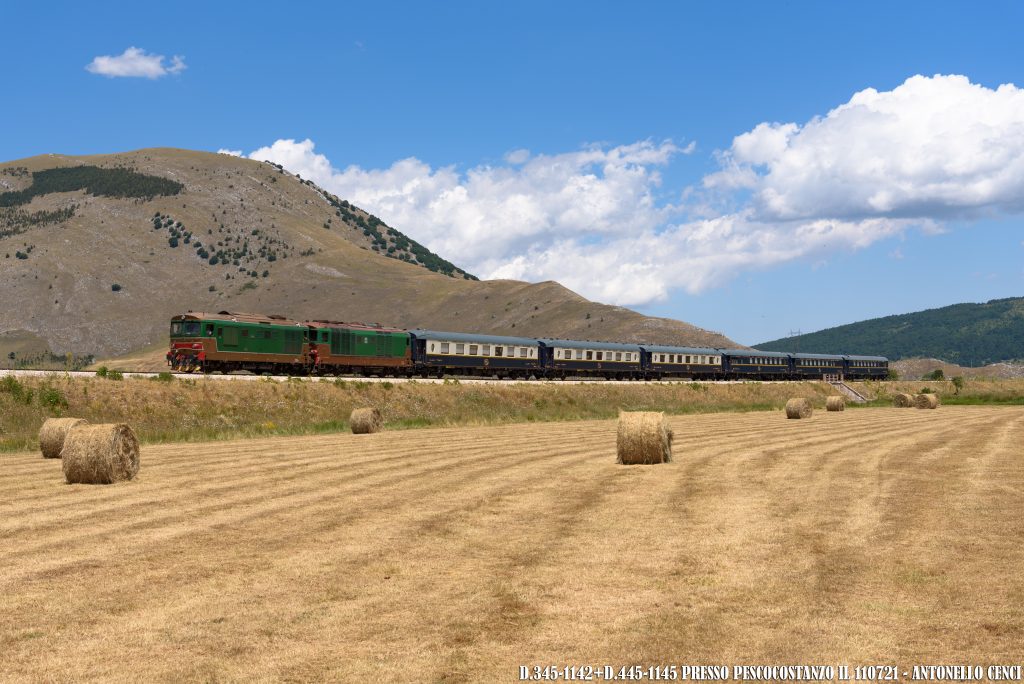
x=227, y=341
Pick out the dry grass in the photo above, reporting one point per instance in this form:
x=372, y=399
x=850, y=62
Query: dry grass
x=195, y=410
x=459, y=554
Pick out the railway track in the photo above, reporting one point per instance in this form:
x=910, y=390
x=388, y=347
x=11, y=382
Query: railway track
x=361, y=378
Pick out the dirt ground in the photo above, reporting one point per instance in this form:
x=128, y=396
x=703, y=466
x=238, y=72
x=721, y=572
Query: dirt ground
x=877, y=536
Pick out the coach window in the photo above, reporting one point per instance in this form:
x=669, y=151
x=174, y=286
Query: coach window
x=460, y=348
x=499, y=351
x=590, y=356
x=473, y=349
x=522, y=352
x=445, y=347
x=485, y=350
x=618, y=356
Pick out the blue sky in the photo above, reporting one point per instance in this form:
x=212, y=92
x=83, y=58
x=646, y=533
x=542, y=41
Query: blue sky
x=638, y=153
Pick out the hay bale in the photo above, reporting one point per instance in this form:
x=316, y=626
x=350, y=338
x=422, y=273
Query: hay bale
x=365, y=420
x=926, y=401
x=644, y=438
x=902, y=400
x=100, y=454
x=835, y=404
x=798, y=407
x=53, y=432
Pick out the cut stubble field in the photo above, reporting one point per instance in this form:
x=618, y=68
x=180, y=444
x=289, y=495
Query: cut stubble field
x=879, y=536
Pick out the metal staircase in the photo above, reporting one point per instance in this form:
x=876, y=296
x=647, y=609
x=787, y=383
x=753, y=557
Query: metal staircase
x=852, y=394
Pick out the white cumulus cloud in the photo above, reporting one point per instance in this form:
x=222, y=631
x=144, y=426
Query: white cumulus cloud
x=231, y=153
x=597, y=219
x=135, y=62
x=934, y=147
x=483, y=217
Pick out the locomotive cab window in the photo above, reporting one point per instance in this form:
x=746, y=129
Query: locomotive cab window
x=209, y=329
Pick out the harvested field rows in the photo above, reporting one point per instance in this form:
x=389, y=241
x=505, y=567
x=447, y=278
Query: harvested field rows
x=862, y=537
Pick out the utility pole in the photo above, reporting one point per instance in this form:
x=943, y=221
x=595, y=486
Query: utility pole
x=794, y=333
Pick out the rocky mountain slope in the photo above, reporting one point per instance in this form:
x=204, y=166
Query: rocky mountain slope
x=98, y=256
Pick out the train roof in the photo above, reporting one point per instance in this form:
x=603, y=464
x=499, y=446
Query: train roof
x=236, y=316
x=662, y=349
x=754, y=352
x=587, y=344
x=376, y=327
x=854, y=357
x=798, y=355
x=443, y=336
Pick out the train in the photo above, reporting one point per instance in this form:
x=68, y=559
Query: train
x=227, y=342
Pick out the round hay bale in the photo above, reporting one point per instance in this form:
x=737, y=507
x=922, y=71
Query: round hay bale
x=835, y=404
x=902, y=400
x=53, y=432
x=100, y=454
x=365, y=420
x=798, y=407
x=644, y=438
x=926, y=401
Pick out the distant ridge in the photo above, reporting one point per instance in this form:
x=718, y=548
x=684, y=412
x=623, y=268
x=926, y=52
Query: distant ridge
x=966, y=334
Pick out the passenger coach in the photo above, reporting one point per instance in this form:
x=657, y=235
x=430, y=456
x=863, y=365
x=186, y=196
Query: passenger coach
x=816, y=366
x=699, y=363
x=610, y=360
x=755, y=365
x=866, y=367
x=436, y=353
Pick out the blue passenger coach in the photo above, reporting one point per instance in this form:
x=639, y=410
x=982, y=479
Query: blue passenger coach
x=437, y=352
x=755, y=365
x=701, y=363
x=611, y=360
x=865, y=367
x=815, y=366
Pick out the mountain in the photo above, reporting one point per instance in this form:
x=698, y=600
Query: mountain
x=99, y=252
x=965, y=334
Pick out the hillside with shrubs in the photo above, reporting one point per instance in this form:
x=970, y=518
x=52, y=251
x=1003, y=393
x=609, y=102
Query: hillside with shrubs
x=100, y=251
